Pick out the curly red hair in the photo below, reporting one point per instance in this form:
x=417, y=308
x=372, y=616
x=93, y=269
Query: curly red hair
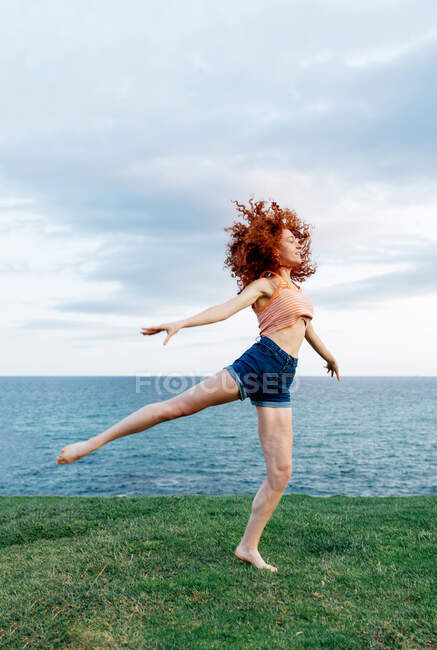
x=253, y=248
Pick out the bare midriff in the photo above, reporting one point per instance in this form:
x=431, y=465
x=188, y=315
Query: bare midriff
x=290, y=338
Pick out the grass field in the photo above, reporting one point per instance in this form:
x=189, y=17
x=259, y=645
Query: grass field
x=159, y=572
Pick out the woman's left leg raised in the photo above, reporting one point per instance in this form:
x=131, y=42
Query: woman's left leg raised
x=217, y=389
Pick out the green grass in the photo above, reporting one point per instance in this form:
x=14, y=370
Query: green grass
x=159, y=572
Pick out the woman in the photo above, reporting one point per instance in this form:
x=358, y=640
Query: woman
x=265, y=255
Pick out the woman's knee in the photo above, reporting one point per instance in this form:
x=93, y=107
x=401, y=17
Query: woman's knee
x=279, y=478
x=186, y=403
x=170, y=410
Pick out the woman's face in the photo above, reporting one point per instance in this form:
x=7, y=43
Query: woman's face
x=289, y=250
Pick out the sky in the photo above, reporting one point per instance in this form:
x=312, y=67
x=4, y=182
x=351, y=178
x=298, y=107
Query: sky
x=127, y=131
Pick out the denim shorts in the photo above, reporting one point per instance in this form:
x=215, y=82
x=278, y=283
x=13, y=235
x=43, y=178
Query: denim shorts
x=264, y=373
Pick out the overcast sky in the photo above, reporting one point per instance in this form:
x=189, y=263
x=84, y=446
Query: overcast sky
x=127, y=130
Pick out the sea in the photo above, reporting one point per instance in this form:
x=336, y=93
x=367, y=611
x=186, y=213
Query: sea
x=362, y=436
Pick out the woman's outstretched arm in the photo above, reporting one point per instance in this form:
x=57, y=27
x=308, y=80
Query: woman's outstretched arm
x=318, y=345
x=214, y=314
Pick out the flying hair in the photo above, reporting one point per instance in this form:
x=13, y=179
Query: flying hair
x=253, y=246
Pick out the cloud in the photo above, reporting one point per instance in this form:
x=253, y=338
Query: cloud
x=58, y=324
x=378, y=289
x=388, y=55
x=128, y=131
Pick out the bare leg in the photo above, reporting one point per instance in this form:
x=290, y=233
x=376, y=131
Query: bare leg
x=217, y=389
x=146, y=417
x=276, y=435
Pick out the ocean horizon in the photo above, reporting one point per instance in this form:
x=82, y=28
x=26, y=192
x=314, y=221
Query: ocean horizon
x=363, y=436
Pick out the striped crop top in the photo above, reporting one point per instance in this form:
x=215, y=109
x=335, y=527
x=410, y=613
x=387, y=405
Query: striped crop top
x=283, y=309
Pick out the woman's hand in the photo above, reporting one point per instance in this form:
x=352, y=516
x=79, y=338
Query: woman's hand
x=332, y=367
x=170, y=328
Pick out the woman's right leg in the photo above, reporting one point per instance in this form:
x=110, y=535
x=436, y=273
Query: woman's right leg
x=276, y=436
x=217, y=389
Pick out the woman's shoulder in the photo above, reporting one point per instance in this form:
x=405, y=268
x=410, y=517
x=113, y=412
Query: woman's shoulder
x=267, y=286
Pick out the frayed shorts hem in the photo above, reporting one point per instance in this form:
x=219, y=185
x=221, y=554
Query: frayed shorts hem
x=241, y=387
x=244, y=395
x=274, y=404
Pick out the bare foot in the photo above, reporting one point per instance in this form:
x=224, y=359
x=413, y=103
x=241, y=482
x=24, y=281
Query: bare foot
x=73, y=452
x=253, y=557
